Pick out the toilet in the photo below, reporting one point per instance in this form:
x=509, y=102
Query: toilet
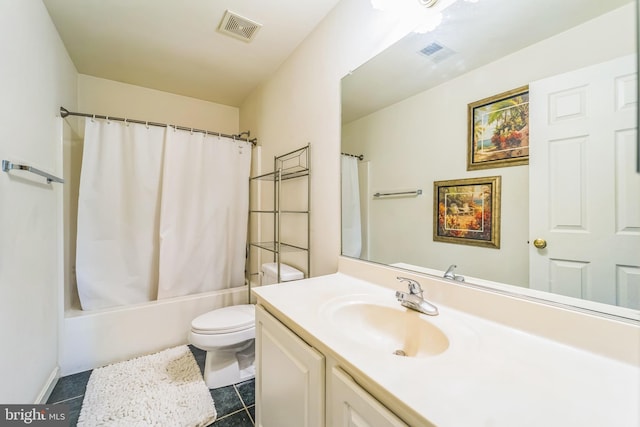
x=228, y=335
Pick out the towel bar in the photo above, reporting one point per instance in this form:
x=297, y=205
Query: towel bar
x=399, y=193
x=7, y=166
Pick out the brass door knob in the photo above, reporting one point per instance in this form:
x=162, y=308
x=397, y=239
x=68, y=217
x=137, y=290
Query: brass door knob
x=540, y=243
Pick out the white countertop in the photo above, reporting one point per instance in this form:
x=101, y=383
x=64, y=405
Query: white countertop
x=491, y=374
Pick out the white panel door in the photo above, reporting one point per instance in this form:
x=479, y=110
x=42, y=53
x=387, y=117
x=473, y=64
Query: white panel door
x=584, y=191
x=289, y=377
x=352, y=406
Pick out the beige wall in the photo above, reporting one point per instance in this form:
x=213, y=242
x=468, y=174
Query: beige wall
x=301, y=104
x=36, y=77
x=108, y=97
x=428, y=136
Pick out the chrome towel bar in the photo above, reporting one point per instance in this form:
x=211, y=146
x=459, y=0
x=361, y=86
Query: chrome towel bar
x=7, y=166
x=399, y=193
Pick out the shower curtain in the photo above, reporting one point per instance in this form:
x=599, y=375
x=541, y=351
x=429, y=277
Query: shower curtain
x=118, y=216
x=351, y=228
x=161, y=213
x=205, y=203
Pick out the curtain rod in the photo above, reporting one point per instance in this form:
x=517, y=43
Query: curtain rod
x=357, y=156
x=64, y=113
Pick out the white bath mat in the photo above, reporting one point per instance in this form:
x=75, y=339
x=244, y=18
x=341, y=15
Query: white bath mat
x=162, y=389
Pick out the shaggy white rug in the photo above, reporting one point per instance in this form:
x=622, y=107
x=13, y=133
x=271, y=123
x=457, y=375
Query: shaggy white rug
x=162, y=389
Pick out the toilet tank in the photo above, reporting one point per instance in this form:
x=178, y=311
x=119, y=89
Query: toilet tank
x=287, y=273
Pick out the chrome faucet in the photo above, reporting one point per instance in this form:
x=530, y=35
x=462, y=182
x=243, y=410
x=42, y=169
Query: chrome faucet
x=449, y=274
x=414, y=299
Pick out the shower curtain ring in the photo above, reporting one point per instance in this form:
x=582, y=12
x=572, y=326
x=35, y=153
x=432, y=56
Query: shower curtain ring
x=146, y=124
x=93, y=118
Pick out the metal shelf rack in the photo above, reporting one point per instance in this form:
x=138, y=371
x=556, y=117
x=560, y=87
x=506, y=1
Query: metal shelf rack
x=291, y=166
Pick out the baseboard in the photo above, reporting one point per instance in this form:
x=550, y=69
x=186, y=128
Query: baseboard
x=47, y=389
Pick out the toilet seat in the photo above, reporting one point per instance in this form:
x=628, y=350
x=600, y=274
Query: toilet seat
x=226, y=320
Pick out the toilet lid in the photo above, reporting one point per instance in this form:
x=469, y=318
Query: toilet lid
x=227, y=319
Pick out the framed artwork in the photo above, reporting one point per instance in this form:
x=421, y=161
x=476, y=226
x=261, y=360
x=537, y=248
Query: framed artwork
x=499, y=130
x=467, y=211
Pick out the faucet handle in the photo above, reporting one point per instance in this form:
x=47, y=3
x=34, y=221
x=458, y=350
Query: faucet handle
x=449, y=274
x=414, y=286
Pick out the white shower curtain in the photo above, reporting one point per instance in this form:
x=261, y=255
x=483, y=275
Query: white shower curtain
x=161, y=213
x=351, y=228
x=118, y=214
x=205, y=203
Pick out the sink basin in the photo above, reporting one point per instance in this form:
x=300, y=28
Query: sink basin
x=387, y=328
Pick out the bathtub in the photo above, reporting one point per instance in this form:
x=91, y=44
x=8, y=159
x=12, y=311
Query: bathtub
x=90, y=339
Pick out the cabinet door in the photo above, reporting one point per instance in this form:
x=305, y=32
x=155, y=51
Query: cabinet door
x=289, y=377
x=352, y=406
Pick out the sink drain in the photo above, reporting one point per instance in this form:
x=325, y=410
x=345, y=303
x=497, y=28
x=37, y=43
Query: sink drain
x=399, y=353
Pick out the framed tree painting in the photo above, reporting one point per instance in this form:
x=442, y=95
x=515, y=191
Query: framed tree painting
x=499, y=130
x=467, y=211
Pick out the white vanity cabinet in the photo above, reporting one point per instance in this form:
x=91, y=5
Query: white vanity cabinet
x=352, y=406
x=340, y=320
x=289, y=379
x=291, y=383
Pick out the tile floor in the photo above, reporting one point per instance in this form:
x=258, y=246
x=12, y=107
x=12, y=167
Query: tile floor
x=235, y=404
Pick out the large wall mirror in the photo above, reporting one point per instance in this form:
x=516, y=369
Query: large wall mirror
x=405, y=112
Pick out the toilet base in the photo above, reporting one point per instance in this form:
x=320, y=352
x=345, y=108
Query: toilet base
x=226, y=367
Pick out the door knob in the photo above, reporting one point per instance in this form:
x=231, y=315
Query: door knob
x=540, y=243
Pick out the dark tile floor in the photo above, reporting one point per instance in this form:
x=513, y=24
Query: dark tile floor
x=235, y=404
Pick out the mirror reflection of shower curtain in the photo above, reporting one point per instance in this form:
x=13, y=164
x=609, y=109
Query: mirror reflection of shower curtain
x=161, y=213
x=205, y=203
x=351, y=226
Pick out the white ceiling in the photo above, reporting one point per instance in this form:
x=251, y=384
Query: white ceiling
x=174, y=45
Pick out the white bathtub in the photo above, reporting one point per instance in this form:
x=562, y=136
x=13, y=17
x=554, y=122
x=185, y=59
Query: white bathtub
x=90, y=339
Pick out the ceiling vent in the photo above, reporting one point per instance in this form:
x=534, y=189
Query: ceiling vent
x=238, y=26
x=437, y=52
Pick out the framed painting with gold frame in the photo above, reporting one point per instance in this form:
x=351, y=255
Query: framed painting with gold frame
x=499, y=130
x=467, y=211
